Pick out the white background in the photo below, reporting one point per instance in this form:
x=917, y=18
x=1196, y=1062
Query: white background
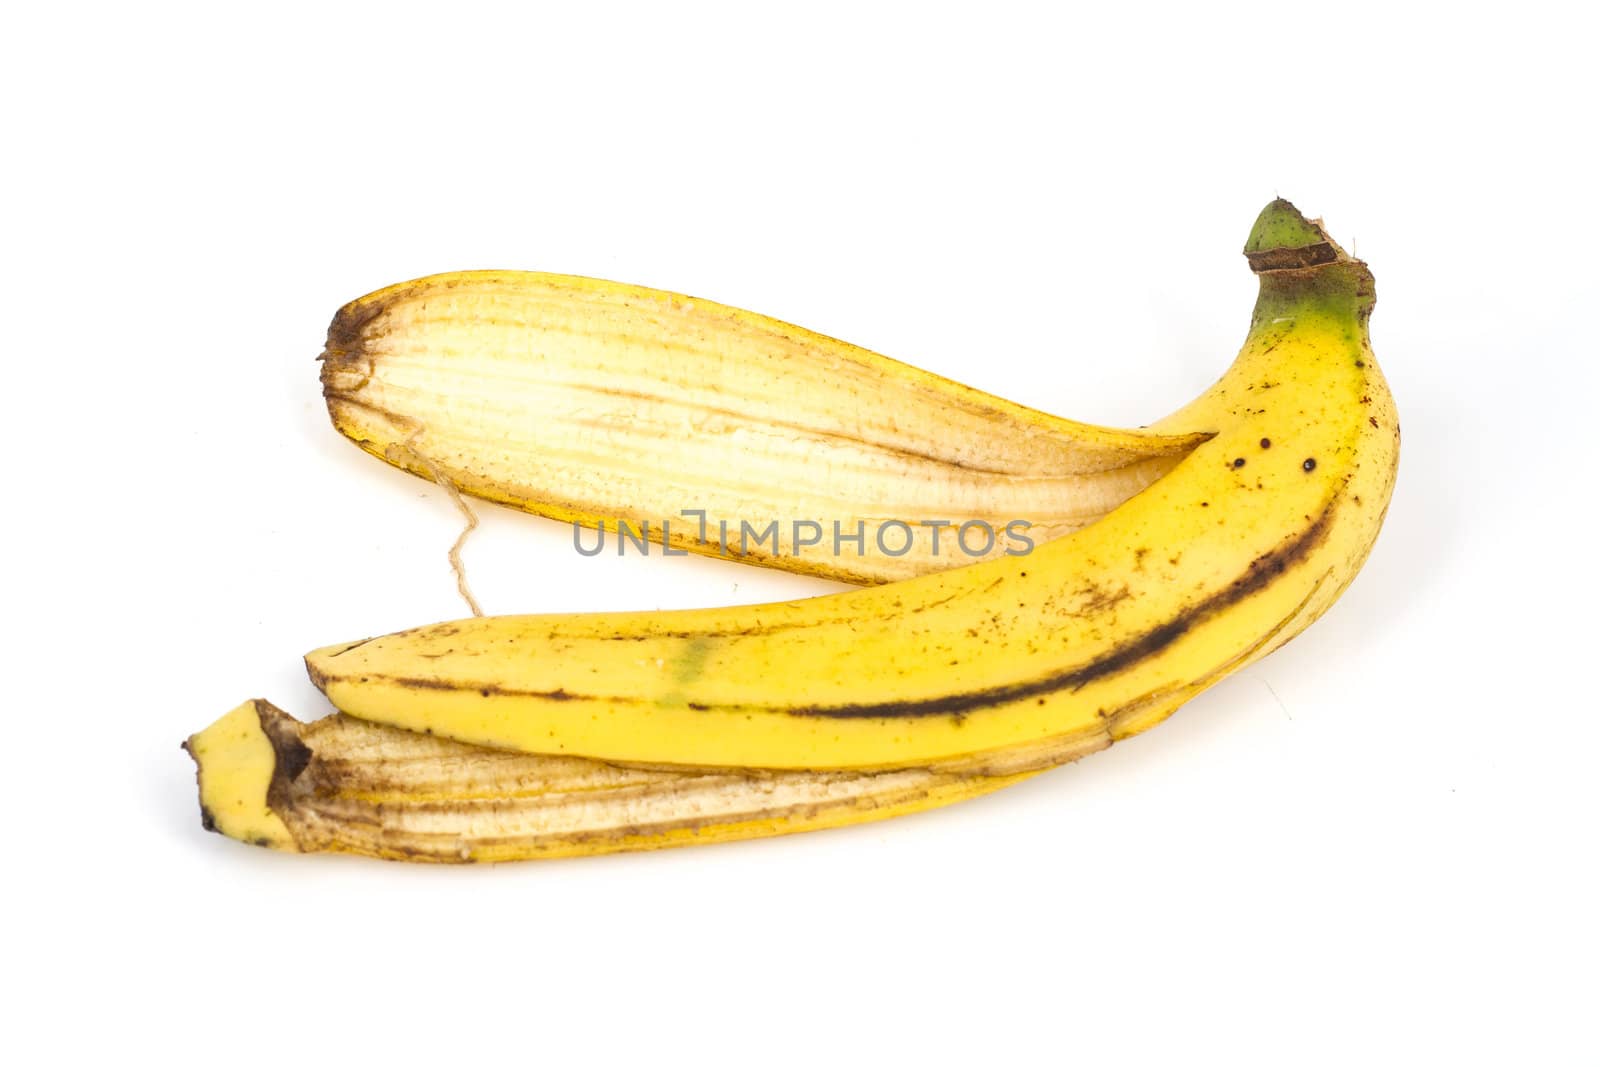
x=1376, y=846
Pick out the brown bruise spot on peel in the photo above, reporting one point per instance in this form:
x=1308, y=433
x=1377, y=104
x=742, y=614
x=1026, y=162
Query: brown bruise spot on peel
x=346, y=367
x=348, y=330
x=1096, y=599
x=348, y=324
x=1261, y=573
x=291, y=758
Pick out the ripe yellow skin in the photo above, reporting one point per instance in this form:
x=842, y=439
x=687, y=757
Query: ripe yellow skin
x=1008, y=663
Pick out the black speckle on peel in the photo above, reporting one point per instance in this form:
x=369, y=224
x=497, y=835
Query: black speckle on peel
x=1309, y=465
x=1266, y=442
x=1238, y=463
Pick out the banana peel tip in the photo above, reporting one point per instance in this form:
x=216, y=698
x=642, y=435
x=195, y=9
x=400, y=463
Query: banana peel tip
x=236, y=762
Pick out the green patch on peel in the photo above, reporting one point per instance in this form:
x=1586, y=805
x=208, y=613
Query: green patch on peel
x=691, y=663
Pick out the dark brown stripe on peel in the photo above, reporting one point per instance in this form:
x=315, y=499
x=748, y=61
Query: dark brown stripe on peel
x=1262, y=572
x=485, y=688
x=1273, y=259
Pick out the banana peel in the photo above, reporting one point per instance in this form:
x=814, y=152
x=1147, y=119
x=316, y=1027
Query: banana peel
x=708, y=429
x=344, y=785
x=760, y=720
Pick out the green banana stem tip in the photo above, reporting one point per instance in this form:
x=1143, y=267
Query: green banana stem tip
x=1284, y=239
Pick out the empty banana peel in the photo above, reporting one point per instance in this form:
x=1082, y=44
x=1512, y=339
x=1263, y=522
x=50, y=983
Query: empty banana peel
x=710, y=429
x=343, y=785
x=641, y=729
